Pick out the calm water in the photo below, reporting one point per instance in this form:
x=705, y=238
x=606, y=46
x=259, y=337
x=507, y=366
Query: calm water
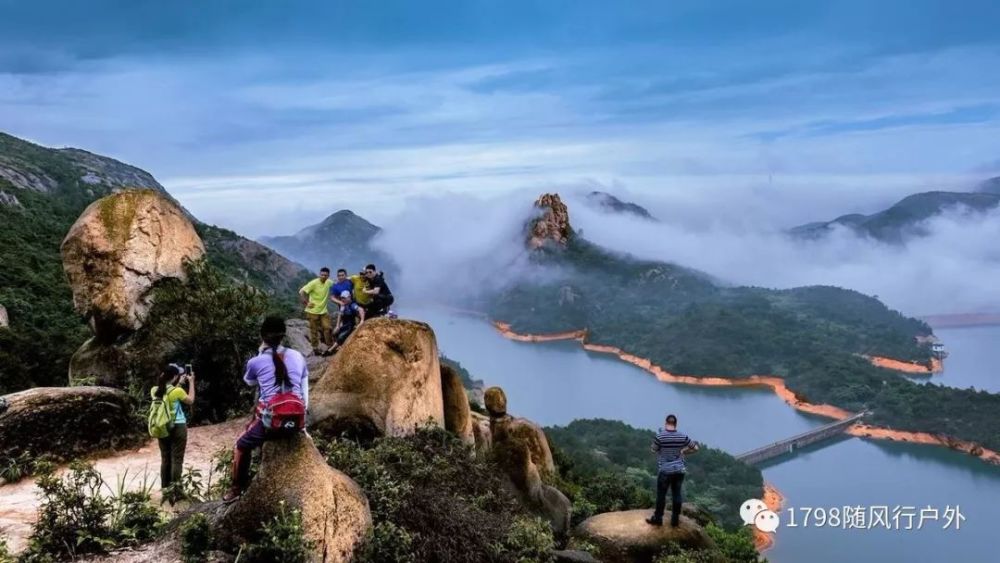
x=555, y=383
x=972, y=358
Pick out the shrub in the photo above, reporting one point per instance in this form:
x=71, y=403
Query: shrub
x=211, y=321
x=387, y=543
x=196, y=539
x=5, y=556
x=429, y=493
x=281, y=539
x=76, y=518
x=529, y=540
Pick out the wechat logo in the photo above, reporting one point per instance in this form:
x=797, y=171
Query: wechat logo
x=754, y=511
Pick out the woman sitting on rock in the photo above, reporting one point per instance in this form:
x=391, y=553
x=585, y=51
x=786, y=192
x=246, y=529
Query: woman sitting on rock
x=169, y=389
x=283, y=380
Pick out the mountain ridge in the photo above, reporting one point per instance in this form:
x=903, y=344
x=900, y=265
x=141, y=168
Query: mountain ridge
x=903, y=220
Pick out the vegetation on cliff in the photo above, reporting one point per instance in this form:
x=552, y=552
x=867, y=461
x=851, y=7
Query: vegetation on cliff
x=432, y=501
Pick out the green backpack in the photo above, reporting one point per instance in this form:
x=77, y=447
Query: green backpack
x=161, y=417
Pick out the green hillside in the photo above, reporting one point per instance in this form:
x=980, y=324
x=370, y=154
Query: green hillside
x=42, y=192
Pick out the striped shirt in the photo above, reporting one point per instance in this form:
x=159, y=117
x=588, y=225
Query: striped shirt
x=668, y=445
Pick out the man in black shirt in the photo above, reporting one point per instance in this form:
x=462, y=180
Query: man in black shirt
x=380, y=292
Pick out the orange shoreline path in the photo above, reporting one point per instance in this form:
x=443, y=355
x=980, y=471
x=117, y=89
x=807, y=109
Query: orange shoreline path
x=777, y=384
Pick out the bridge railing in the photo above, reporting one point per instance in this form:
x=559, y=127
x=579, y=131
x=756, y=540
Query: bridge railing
x=808, y=433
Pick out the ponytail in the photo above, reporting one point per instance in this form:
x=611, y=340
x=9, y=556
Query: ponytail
x=169, y=372
x=272, y=332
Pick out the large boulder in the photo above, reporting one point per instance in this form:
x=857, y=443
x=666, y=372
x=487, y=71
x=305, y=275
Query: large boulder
x=66, y=422
x=457, y=414
x=118, y=249
x=386, y=380
x=625, y=537
x=293, y=475
x=496, y=401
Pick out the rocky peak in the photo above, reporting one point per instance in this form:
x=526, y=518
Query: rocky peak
x=552, y=226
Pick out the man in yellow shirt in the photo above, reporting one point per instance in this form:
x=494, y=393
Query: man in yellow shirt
x=360, y=284
x=315, y=296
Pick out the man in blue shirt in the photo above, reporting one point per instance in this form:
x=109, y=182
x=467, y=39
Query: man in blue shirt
x=669, y=445
x=340, y=286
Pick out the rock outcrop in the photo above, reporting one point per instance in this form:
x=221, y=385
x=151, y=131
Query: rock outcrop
x=386, y=380
x=520, y=447
x=294, y=476
x=116, y=252
x=4, y=319
x=625, y=537
x=552, y=227
x=66, y=422
x=457, y=414
x=118, y=249
x=496, y=401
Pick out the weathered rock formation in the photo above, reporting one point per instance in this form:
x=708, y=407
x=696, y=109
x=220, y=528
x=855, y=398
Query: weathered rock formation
x=496, y=401
x=457, y=414
x=293, y=475
x=118, y=249
x=113, y=256
x=625, y=537
x=386, y=380
x=520, y=447
x=552, y=227
x=65, y=422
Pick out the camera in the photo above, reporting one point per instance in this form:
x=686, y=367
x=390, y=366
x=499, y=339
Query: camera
x=188, y=370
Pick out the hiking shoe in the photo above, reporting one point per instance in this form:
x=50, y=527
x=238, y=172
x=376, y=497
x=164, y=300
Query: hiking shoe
x=232, y=495
x=654, y=522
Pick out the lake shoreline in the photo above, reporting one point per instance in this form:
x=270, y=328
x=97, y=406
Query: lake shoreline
x=776, y=384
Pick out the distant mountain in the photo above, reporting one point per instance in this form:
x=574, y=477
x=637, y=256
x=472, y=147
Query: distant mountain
x=991, y=186
x=342, y=240
x=42, y=192
x=611, y=204
x=905, y=218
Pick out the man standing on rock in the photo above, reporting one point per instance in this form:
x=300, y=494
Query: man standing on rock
x=315, y=297
x=669, y=445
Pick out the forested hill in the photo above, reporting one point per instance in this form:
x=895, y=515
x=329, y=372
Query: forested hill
x=687, y=323
x=42, y=192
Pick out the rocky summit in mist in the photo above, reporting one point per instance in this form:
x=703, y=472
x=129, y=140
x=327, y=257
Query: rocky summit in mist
x=907, y=218
x=344, y=239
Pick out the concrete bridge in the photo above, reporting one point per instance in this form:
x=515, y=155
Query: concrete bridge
x=790, y=444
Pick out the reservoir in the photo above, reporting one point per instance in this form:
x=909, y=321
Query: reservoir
x=555, y=383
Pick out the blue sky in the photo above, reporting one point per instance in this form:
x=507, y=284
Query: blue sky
x=313, y=106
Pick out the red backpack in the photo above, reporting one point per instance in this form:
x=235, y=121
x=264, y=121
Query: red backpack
x=283, y=412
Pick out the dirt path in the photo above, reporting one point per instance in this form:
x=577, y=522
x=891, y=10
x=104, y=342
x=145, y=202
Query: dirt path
x=19, y=501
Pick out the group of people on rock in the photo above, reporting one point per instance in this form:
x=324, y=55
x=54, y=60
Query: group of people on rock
x=278, y=371
x=358, y=297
